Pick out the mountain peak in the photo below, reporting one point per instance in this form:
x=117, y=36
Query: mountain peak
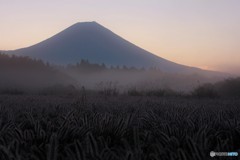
x=90, y=23
x=85, y=26
x=87, y=22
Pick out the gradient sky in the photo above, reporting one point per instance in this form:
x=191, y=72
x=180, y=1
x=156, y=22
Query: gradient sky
x=201, y=33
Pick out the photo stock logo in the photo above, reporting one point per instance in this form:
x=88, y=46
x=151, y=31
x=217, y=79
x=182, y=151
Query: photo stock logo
x=223, y=154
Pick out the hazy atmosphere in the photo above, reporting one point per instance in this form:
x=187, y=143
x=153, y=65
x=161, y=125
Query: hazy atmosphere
x=199, y=33
x=119, y=80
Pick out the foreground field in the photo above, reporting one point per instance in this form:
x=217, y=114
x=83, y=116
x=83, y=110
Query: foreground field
x=95, y=127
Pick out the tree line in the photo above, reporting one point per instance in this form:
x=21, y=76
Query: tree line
x=24, y=62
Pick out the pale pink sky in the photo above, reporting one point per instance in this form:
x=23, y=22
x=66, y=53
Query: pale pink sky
x=202, y=33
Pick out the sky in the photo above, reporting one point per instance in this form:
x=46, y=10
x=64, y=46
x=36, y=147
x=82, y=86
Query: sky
x=200, y=33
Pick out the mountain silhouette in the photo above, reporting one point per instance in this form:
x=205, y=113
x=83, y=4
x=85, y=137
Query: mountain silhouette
x=91, y=41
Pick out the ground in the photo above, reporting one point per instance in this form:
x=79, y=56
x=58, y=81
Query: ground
x=121, y=127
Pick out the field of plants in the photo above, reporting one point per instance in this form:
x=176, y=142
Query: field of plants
x=122, y=127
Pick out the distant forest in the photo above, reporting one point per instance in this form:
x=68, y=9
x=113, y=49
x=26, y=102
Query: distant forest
x=24, y=62
x=23, y=73
x=12, y=61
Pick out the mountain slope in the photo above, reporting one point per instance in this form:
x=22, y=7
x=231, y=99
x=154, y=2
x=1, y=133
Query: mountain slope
x=91, y=41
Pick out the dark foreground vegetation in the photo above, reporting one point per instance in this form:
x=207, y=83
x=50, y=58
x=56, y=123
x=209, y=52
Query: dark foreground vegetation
x=89, y=126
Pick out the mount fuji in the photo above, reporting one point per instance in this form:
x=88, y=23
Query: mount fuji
x=97, y=44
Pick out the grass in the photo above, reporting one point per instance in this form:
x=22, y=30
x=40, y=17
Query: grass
x=40, y=127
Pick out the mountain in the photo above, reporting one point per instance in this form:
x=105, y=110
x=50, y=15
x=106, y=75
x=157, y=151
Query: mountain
x=93, y=42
